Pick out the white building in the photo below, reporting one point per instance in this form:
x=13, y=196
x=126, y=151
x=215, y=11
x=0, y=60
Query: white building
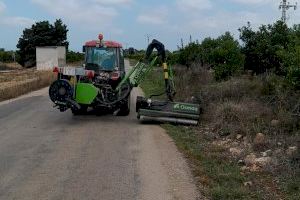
x=49, y=57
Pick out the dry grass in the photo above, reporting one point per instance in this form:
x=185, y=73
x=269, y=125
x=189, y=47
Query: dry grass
x=10, y=66
x=247, y=105
x=188, y=82
x=244, y=105
x=246, y=117
x=19, y=82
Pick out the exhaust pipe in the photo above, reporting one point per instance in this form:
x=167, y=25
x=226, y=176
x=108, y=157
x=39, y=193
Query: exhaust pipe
x=69, y=103
x=73, y=104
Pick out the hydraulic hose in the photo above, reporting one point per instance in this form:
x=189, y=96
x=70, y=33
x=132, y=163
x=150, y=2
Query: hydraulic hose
x=161, y=52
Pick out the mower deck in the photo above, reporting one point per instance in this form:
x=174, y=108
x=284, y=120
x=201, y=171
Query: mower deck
x=166, y=111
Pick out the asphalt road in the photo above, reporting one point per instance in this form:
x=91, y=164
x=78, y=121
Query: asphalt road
x=45, y=154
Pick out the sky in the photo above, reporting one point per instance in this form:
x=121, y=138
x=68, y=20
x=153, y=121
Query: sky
x=130, y=21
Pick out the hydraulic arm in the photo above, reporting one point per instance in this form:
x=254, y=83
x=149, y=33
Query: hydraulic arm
x=155, y=110
x=138, y=73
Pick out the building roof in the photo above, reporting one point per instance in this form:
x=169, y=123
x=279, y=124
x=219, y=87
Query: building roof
x=111, y=44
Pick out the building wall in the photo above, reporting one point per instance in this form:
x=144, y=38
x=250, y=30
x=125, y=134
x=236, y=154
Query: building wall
x=48, y=57
x=61, y=56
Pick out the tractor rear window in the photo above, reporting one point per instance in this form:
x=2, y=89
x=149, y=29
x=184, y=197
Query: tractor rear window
x=102, y=58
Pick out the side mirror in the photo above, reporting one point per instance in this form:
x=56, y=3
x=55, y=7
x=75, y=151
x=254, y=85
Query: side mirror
x=83, y=49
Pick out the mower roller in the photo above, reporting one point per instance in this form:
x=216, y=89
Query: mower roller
x=103, y=85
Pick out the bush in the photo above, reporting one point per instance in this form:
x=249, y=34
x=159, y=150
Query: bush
x=222, y=54
x=74, y=57
x=136, y=55
x=272, y=48
x=190, y=54
x=227, y=57
x=293, y=76
x=7, y=56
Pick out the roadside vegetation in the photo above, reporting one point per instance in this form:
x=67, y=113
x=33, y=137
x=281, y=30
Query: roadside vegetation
x=75, y=57
x=15, y=77
x=19, y=82
x=7, y=56
x=247, y=143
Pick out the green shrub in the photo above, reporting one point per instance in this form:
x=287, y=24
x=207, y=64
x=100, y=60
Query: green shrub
x=7, y=56
x=74, y=56
x=293, y=76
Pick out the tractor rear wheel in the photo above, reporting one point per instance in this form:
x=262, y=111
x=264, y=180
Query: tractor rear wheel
x=125, y=108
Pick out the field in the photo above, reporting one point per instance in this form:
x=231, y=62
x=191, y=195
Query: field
x=15, y=81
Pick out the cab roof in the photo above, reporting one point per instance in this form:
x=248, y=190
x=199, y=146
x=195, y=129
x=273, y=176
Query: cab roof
x=110, y=44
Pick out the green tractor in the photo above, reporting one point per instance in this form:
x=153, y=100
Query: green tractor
x=103, y=85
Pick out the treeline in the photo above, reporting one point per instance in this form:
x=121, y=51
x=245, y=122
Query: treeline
x=7, y=56
x=273, y=48
x=134, y=54
x=73, y=57
x=223, y=54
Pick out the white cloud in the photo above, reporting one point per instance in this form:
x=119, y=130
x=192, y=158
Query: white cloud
x=2, y=7
x=253, y=2
x=157, y=16
x=16, y=21
x=114, y=2
x=217, y=24
x=92, y=14
x=194, y=5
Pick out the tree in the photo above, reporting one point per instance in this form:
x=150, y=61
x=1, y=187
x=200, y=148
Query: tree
x=208, y=45
x=226, y=57
x=190, y=54
x=40, y=34
x=222, y=54
x=264, y=48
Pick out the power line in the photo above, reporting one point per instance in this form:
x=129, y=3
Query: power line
x=284, y=6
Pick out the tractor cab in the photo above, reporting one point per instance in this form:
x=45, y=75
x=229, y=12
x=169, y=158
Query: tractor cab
x=104, y=56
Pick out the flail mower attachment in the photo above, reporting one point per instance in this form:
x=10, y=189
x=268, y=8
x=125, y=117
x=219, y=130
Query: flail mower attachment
x=165, y=111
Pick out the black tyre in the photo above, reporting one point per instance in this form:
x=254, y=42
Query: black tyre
x=81, y=111
x=125, y=108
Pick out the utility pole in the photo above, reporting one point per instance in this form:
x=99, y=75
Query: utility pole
x=126, y=45
x=14, y=58
x=284, y=6
x=148, y=38
x=182, y=45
